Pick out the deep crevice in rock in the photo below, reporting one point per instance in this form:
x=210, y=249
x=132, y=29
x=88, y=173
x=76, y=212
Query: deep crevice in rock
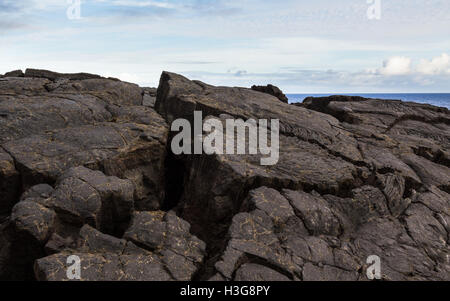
x=20, y=189
x=175, y=173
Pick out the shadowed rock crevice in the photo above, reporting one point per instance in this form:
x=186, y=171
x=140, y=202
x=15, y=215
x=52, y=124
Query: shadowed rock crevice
x=176, y=174
x=11, y=187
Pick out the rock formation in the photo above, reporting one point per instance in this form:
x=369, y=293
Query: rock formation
x=15, y=73
x=272, y=90
x=86, y=169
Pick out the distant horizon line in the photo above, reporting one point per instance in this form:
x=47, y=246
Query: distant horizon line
x=345, y=93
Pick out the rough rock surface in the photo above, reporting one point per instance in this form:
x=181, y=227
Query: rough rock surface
x=348, y=176
x=86, y=169
x=37, y=73
x=50, y=123
x=75, y=149
x=149, y=97
x=168, y=252
x=15, y=73
x=272, y=90
x=309, y=237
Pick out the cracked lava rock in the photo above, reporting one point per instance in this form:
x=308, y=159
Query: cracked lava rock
x=86, y=169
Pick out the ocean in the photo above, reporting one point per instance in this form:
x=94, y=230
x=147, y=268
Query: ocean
x=436, y=99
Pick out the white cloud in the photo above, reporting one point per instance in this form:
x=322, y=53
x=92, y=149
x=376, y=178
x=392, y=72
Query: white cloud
x=438, y=65
x=397, y=65
x=291, y=43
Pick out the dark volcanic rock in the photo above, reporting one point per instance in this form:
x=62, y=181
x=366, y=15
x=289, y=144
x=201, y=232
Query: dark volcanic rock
x=38, y=193
x=174, y=255
x=409, y=138
x=9, y=183
x=15, y=73
x=98, y=123
x=50, y=123
x=36, y=73
x=34, y=220
x=179, y=97
x=86, y=169
x=272, y=90
x=165, y=231
x=356, y=172
x=149, y=97
x=255, y=272
x=83, y=196
x=315, y=153
x=299, y=246
x=156, y=245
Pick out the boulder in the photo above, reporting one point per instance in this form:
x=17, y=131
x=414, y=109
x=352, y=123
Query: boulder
x=102, y=267
x=165, y=232
x=32, y=219
x=37, y=73
x=272, y=90
x=176, y=255
x=256, y=272
x=38, y=193
x=149, y=97
x=15, y=73
x=84, y=196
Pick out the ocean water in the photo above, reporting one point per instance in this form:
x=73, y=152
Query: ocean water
x=436, y=99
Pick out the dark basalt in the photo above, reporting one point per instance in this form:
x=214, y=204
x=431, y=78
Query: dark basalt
x=86, y=169
x=272, y=90
x=37, y=73
x=15, y=73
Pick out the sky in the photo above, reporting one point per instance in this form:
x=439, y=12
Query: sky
x=302, y=46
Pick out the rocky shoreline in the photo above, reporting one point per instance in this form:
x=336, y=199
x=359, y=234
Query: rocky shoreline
x=86, y=169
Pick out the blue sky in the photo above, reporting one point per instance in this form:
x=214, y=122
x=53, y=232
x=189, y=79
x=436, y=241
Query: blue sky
x=302, y=46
